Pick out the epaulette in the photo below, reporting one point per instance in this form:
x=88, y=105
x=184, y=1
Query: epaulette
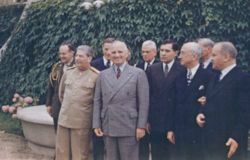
x=70, y=68
x=94, y=70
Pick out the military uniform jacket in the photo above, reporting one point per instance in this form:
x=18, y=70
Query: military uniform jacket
x=76, y=94
x=52, y=98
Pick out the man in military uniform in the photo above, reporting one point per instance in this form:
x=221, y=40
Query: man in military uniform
x=66, y=55
x=75, y=118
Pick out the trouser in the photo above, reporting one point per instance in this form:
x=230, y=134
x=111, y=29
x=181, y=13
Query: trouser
x=98, y=148
x=144, y=148
x=160, y=147
x=73, y=144
x=121, y=148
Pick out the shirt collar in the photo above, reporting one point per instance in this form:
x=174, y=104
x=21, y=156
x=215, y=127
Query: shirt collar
x=207, y=62
x=122, y=66
x=170, y=64
x=105, y=61
x=226, y=70
x=150, y=63
x=194, y=70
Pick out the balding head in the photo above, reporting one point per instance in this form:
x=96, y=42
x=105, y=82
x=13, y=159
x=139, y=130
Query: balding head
x=227, y=48
x=223, y=55
x=190, y=54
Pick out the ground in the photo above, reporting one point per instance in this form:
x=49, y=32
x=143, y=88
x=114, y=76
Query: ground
x=14, y=147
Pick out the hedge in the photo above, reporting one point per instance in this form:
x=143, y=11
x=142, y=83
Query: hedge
x=33, y=49
x=9, y=15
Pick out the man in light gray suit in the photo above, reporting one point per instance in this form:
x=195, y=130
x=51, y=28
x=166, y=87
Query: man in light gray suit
x=121, y=105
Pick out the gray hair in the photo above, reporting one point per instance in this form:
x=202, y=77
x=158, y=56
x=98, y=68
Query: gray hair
x=124, y=44
x=205, y=42
x=228, y=48
x=86, y=49
x=149, y=43
x=195, y=48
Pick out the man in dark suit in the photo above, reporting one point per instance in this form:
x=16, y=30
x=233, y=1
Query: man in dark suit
x=225, y=116
x=101, y=64
x=104, y=62
x=190, y=86
x=161, y=77
x=66, y=55
x=149, y=52
x=121, y=105
x=207, y=46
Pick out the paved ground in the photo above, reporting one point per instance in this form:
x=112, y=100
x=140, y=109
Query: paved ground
x=13, y=147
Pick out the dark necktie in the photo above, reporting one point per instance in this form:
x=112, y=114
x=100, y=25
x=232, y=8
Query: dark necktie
x=189, y=77
x=148, y=64
x=118, y=73
x=166, y=70
x=108, y=64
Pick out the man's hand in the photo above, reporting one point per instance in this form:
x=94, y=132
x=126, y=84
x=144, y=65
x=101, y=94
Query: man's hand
x=148, y=128
x=98, y=132
x=140, y=132
x=49, y=110
x=171, y=137
x=202, y=100
x=200, y=119
x=233, y=145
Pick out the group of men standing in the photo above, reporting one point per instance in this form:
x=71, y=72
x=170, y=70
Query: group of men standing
x=188, y=106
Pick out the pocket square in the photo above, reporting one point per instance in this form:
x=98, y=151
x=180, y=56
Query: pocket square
x=201, y=87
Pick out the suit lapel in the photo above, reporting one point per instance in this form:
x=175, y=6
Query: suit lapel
x=219, y=87
x=170, y=78
x=117, y=84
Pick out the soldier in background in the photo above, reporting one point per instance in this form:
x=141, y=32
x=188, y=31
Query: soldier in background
x=66, y=55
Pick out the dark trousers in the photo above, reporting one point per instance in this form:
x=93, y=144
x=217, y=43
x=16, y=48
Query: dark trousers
x=144, y=148
x=98, y=148
x=55, y=120
x=160, y=147
x=185, y=150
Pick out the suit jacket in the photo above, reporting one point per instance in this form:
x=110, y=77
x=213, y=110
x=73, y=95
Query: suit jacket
x=99, y=64
x=52, y=98
x=76, y=93
x=227, y=111
x=187, y=105
x=162, y=96
x=121, y=105
x=141, y=64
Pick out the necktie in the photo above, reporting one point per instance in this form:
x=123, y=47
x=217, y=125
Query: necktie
x=166, y=70
x=118, y=73
x=148, y=64
x=108, y=64
x=189, y=77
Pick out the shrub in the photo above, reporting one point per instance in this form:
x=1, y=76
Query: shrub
x=33, y=49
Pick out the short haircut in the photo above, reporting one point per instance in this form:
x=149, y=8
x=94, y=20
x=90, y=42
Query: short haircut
x=206, y=42
x=108, y=40
x=195, y=48
x=149, y=43
x=124, y=44
x=87, y=49
x=228, y=48
x=70, y=46
x=175, y=46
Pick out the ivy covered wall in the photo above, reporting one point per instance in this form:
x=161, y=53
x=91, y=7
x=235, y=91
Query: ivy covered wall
x=9, y=15
x=33, y=49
